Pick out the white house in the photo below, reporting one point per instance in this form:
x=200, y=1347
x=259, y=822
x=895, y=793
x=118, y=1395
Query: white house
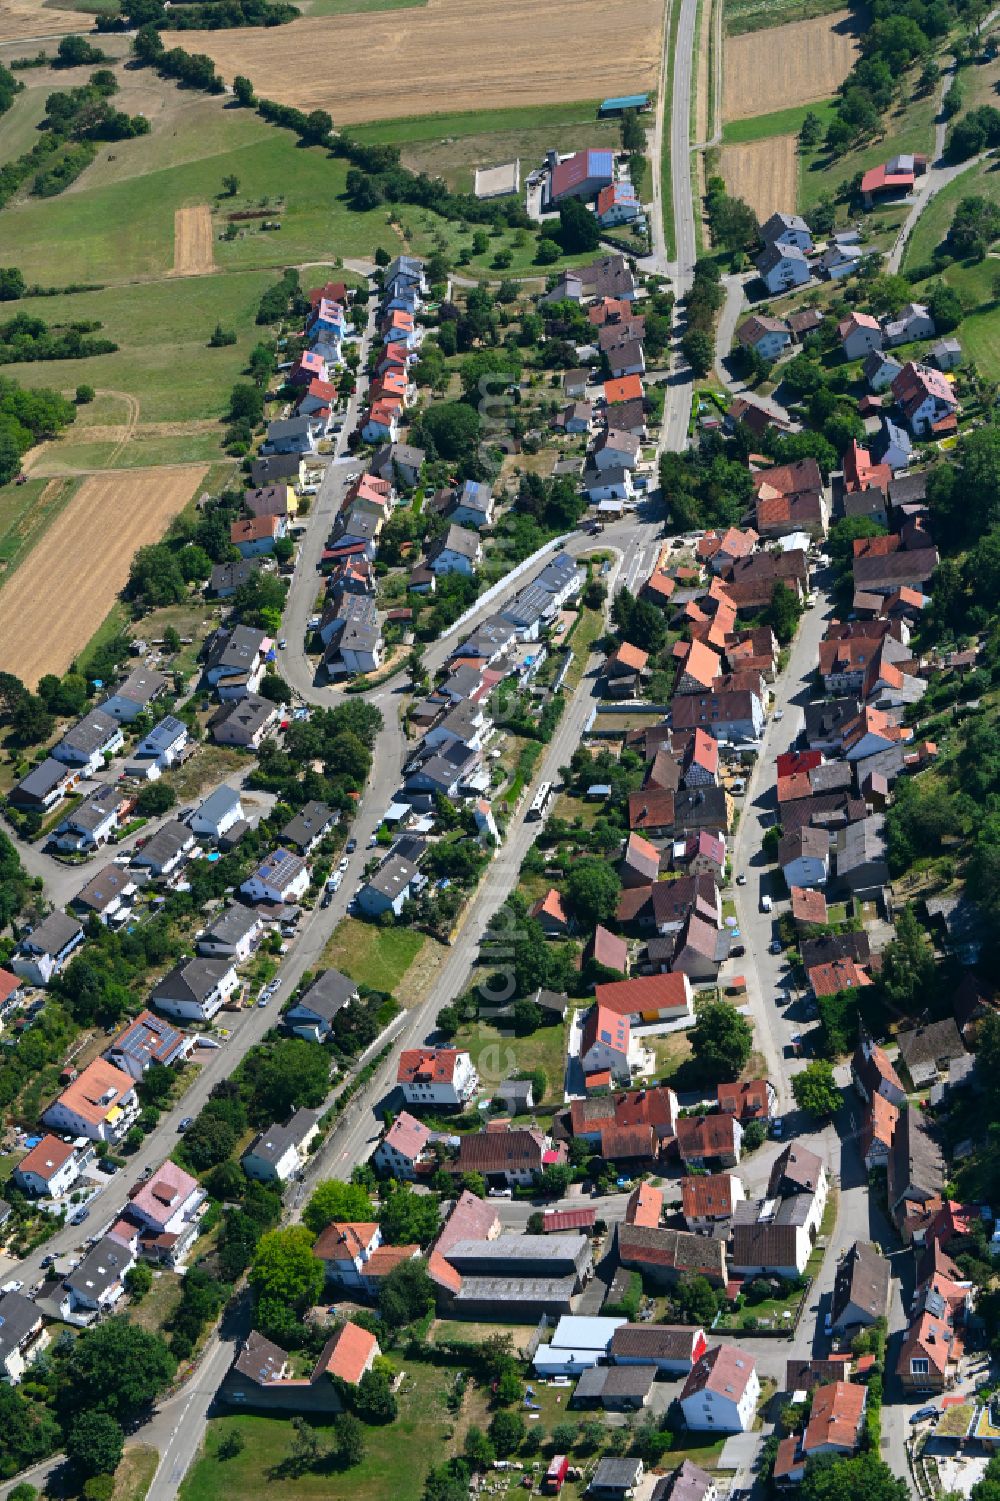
x=162, y=748
x=473, y=505
x=280, y=877
x=838, y=261
x=234, y=934
x=787, y=229
x=169, y=1205
x=22, y=1336
x=98, y=1282
x=458, y=551
x=278, y=1153
x=914, y=321
x=313, y=1014
x=436, y=1076
x=217, y=814
x=782, y=267
x=605, y=1044
x=402, y=1148
x=100, y=1103
x=768, y=336
x=722, y=1391
x=52, y=1166
x=92, y=738
x=196, y=990
x=390, y=888
x=44, y=951
x=859, y=335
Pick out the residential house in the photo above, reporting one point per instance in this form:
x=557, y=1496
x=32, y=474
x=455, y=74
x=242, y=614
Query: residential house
x=217, y=814
x=640, y=862
x=252, y=536
x=436, y=1076
x=510, y=1157
x=809, y=908
x=878, y=1125
x=280, y=877
x=704, y=1139
x=398, y=462
x=915, y=1175
x=615, y=449
x=838, y=261
x=616, y=1479
x=605, y=1043
x=880, y=370
x=947, y=354
x=106, y=896
x=736, y=716
x=859, y=335
x=196, y=989
x=96, y=736
x=748, y=1099
x=804, y=857
x=168, y=1208
x=403, y=1148
x=472, y=506
x=235, y=660
x=52, y=1166
x=390, y=888
x=721, y=1392
x=314, y=1011
x=618, y=203
x=46, y=949
x=293, y=435
x=308, y=827
x=272, y=500
x=709, y=1200
x=770, y=337
x=100, y=1103
x=234, y=934
x=166, y=851
x=912, y=322
x=42, y=788
x=163, y=747
x=797, y=1171
x=926, y=398
x=782, y=267
x=22, y=1336
x=97, y=1283
x=93, y=822
x=787, y=229
x=279, y=1152
x=874, y=1075
x=860, y=1289
x=926, y=1052
x=458, y=551
x=771, y=1239
x=245, y=724
x=894, y=447
x=142, y=687
x=146, y=1041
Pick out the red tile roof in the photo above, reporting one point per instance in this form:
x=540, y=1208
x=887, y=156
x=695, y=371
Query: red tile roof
x=646, y=993
x=645, y=1206
x=427, y=1065
x=724, y=1370
x=710, y=1196
x=349, y=1353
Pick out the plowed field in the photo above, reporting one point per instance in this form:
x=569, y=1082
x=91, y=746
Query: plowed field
x=56, y=600
x=448, y=55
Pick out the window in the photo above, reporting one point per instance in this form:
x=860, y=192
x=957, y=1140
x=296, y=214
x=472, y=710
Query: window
x=919, y=1367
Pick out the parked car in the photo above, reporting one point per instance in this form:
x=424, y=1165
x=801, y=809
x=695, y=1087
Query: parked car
x=766, y=904
x=922, y=1413
x=80, y=1216
x=741, y=879
x=774, y=947
x=351, y=845
x=187, y=1121
x=13, y=1286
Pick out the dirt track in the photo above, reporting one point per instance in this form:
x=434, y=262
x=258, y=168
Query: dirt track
x=194, y=250
x=785, y=65
x=63, y=590
x=457, y=55
x=764, y=174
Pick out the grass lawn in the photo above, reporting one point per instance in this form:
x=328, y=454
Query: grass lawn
x=589, y=625
x=163, y=359
x=980, y=329
x=374, y=956
x=670, y=1051
x=910, y=127
x=500, y=1055
x=134, y=1474
x=666, y=181
x=25, y=513
x=397, y=1456
x=159, y=1304
x=781, y=122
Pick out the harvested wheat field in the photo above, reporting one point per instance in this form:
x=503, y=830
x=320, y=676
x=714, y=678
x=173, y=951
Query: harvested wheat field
x=785, y=65
x=194, y=253
x=459, y=55
x=65, y=587
x=20, y=19
x=764, y=174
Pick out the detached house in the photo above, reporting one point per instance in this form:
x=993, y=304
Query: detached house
x=147, y=1041
x=782, y=267
x=90, y=740
x=255, y=535
x=196, y=990
x=458, y=551
x=770, y=337
x=722, y=1391
x=926, y=398
x=281, y=877
x=46, y=950
x=312, y=1016
x=162, y=748
x=107, y=896
x=703, y=1139
x=100, y=1103
x=436, y=1076
x=133, y=696
x=787, y=229
x=234, y=934
x=279, y=1153
x=859, y=335
x=403, y=1148
x=235, y=661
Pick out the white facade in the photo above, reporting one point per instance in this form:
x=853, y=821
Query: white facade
x=709, y=1410
x=456, y=1090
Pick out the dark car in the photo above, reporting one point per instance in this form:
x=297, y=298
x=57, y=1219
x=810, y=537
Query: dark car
x=80, y=1216
x=188, y=1119
x=351, y=846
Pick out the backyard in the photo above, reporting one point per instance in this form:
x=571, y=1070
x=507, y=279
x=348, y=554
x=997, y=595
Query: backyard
x=395, y=960
x=500, y=1055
